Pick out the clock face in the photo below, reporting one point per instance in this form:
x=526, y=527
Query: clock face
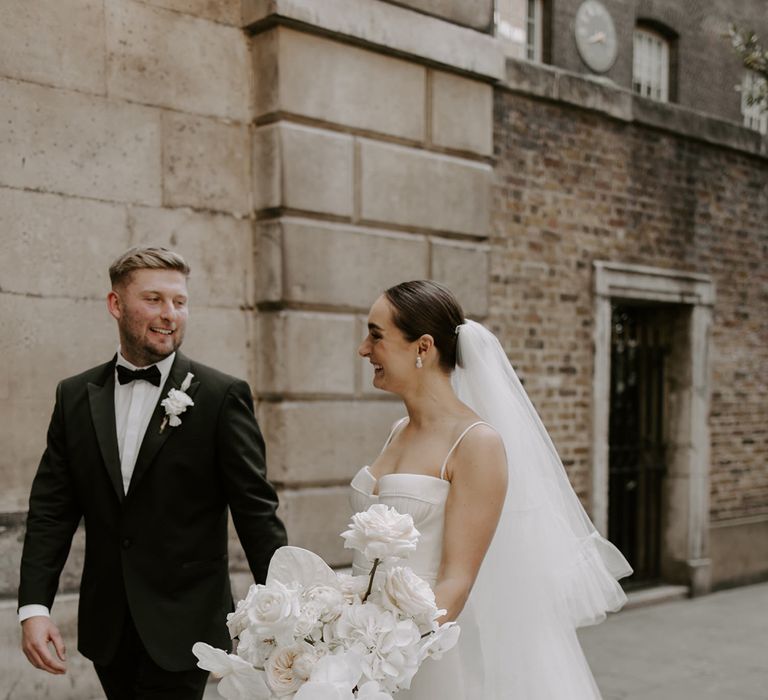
x=595, y=36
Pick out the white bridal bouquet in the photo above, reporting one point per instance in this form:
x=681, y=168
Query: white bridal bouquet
x=312, y=634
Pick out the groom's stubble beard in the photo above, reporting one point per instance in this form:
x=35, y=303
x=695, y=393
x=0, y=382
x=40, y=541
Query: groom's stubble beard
x=134, y=342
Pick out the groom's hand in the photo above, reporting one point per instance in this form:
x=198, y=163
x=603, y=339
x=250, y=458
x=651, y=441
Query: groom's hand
x=36, y=634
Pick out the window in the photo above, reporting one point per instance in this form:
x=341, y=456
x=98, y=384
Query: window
x=650, y=68
x=534, y=31
x=755, y=115
x=520, y=26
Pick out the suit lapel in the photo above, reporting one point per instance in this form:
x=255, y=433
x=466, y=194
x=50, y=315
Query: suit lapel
x=154, y=439
x=102, y=401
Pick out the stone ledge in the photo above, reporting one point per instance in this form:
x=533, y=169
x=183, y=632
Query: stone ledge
x=390, y=27
x=739, y=551
x=654, y=596
x=477, y=14
x=603, y=96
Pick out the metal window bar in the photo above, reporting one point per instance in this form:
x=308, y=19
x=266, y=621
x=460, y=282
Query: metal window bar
x=637, y=449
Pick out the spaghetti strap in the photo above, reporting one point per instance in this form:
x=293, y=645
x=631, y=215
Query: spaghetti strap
x=392, y=432
x=456, y=444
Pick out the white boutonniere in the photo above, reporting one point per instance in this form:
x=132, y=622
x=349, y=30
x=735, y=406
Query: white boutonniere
x=176, y=403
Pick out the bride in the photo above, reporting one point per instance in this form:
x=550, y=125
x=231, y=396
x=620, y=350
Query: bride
x=505, y=543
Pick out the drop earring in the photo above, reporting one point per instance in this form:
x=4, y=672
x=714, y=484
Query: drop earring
x=419, y=363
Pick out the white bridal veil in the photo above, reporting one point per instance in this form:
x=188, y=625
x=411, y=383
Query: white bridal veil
x=547, y=570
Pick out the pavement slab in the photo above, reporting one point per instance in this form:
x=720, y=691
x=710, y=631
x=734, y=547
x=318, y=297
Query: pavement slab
x=715, y=646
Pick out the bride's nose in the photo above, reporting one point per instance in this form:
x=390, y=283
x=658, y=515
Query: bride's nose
x=363, y=350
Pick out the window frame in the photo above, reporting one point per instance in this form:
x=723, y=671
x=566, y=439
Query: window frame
x=754, y=116
x=652, y=54
x=534, y=31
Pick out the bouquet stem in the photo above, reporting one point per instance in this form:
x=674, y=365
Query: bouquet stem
x=376, y=563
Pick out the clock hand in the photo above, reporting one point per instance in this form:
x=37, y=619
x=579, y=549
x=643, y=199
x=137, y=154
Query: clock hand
x=597, y=37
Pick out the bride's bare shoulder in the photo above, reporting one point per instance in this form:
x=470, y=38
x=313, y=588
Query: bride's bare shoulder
x=479, y=454
x=483, y=437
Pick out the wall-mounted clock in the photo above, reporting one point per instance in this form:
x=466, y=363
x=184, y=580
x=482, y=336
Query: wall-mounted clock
x=595, y=36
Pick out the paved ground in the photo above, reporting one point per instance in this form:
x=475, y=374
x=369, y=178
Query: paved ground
x=710, y=647
x=715, y=647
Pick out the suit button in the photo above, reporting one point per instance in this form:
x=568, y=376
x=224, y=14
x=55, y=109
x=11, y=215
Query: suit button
x=127, y=542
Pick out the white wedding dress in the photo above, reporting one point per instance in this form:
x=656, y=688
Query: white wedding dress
x=458, y=675
x=547, y=663
x=546, y=572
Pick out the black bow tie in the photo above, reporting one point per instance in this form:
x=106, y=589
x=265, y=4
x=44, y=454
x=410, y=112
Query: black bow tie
x=149, y=374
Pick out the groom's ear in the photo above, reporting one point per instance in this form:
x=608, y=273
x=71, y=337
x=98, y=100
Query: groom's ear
x=113, y=305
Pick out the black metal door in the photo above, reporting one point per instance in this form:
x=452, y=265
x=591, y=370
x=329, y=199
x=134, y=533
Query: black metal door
x=636, y=439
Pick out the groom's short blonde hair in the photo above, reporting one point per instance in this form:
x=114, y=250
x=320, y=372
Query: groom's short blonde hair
x=145, y=258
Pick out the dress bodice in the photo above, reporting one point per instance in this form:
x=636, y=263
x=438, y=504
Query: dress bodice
x=423, y=497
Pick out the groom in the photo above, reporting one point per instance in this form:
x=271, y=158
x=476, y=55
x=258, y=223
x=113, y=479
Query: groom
x=152, y=480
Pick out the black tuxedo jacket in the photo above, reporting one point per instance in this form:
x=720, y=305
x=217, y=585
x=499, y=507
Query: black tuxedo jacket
x=159, y=551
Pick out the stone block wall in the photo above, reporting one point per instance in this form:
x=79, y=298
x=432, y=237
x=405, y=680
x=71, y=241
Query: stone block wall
x=302, y=157
x=301, y=169
x=369, y=169
x=124, y=123
x=118, y=130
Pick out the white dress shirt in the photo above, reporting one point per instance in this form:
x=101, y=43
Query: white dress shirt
x=134, y=404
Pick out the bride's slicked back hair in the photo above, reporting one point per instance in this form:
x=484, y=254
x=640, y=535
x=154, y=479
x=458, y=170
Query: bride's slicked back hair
x=425, y=307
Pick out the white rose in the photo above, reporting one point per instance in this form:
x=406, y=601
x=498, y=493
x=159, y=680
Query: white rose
x=325, y=600
x=352, y=587
x=403, y=591
x=273, y=611
x=238, y=620
x=289, y=667
x=175, y=404
x=255, y=649
x=308, y=624
x=381, y=533
x=320, y=605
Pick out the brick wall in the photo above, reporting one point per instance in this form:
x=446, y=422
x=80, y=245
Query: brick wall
x=573, y=186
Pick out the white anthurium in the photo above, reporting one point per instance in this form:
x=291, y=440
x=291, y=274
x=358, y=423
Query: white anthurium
x=437, y=643
x=300, y=566
x=239, y=679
